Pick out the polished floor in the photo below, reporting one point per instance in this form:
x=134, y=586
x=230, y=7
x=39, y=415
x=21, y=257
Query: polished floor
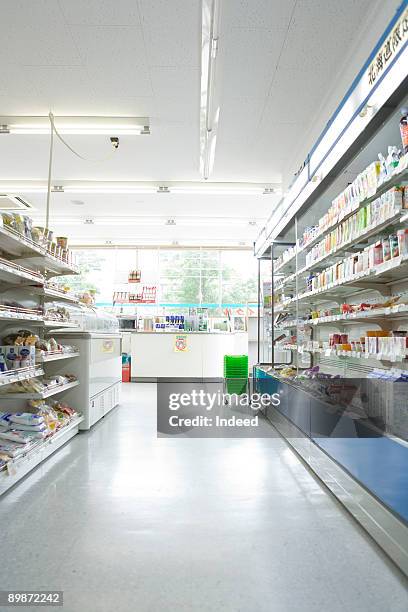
x=123, y=521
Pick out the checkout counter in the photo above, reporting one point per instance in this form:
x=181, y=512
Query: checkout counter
x=189, y=345
x=198, y=355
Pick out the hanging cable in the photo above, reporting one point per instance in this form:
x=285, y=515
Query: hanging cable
x=54, y=129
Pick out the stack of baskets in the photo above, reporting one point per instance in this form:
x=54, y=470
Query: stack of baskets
x=236, y=373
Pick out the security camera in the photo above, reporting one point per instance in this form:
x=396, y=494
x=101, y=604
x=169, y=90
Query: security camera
x=115, y=142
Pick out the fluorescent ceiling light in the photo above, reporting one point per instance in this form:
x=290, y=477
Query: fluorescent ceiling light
x=209, y=108
x=135, y=187
x=156, y=221
x=110, y=126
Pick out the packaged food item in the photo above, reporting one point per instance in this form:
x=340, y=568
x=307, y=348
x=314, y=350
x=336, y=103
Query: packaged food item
x=62, y=242
x=26, y=418
x=404, y=129
x=386, y=249
x=334, y=339
x=403, y=241
x=16, y=436
x=394, y=245
x=378, y=253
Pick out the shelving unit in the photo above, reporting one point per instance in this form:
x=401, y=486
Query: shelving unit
x=49, y=294
x=333, y=339
x=7, y=378
x=17, y=468
x=33, y=396
x=25, y=267
x=57, y=357
x=28, y=253
x=15, y=274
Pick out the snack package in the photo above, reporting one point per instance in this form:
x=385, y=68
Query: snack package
x=26, y=418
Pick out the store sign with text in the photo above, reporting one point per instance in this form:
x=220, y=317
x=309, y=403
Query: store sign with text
x=392, y=46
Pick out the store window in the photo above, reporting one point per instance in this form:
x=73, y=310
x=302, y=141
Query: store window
x=182, y=276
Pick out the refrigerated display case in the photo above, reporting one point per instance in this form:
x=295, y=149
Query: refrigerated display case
x=338, y=301
x=99, y=364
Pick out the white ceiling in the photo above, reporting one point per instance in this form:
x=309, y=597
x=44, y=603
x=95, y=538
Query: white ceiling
x=281, y=69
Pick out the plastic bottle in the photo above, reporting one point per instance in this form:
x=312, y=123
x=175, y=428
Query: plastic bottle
x=404, y=128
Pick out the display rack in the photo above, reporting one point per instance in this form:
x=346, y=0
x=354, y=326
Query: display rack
x=333, y=288
x=25, y=268
x=17, y=468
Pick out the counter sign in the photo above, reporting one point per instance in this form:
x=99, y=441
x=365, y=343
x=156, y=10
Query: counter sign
x=180, y=344
x=107, y=346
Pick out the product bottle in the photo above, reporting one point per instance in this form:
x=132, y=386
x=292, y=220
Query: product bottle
x=404, y=129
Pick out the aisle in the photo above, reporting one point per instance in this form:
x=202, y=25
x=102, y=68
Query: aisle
x=124, y=522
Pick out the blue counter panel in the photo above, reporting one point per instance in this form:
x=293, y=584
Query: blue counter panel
x=379, y=464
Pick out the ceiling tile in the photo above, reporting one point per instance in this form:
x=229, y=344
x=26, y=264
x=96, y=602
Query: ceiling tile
x=100, y=12
x=124, y=81
x=38, y=44
x=180, y=110
x=172, y=46
x=248, y=58
x=63, y=89
x=320, y=34
x=284, y=105
x=18, y=12
x=239, y=117
x=110, y=47
x=257, y=13
x=18, y=80
x=165, y=14
x=175, y=81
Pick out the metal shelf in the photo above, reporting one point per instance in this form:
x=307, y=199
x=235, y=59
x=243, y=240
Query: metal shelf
x=330, y=352
x=395, y=180
x=392, y=182
x=391, y=313
x=14, y=317
x=12, y=376
x=53, y=295
x=17, y=468
x=48, y=263
x=60, y=324
x=57, y=357
x=377, y=278
x=373, y=231
x=16, y=275
x=43, y=395
x=25, y=250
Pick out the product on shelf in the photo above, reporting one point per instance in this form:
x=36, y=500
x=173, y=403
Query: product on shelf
x=384, y=250
x=15, y=308
x=21, y=349
x=40, y=385
x=349, y=200
x=404, y=129
x=21, y=431
x=286, y=256
x=57, y=312
x=134, y=276
x=364, y=220
x=22, y=225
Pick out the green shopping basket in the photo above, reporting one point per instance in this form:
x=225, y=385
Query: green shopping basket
x=236, y=373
